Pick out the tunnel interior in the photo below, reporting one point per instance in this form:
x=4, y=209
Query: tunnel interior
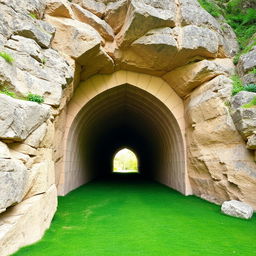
x=125, y=116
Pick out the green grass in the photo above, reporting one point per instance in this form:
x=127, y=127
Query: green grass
x=251, y=104
x=139, y=218
x=7, y=57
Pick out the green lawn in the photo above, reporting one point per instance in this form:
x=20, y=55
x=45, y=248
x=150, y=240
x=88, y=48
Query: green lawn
x=143, y=218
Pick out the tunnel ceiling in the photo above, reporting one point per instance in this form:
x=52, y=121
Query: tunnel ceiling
x=125, y=116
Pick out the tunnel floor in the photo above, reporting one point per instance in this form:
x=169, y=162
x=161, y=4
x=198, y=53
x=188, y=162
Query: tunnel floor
x=126, y=215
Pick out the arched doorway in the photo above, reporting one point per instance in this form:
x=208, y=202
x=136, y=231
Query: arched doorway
x=125, y=108
x=125, y=161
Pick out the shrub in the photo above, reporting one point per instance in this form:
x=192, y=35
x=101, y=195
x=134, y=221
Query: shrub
x=35, y=98
x=237, y=85
x=210, y=7
x=253, y=71
x=8, y=58
x=250, y=88
x=251, y=104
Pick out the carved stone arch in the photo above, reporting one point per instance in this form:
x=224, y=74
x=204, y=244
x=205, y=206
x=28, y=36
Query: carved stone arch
x=152, y=98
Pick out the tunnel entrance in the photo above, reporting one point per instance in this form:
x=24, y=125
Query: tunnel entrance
x=124, y=114
x=125, y=161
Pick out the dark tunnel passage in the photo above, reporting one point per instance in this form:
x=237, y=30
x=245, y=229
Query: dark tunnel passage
x=125, y=116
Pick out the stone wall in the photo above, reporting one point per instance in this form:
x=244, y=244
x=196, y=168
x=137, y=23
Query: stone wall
x=56, y=44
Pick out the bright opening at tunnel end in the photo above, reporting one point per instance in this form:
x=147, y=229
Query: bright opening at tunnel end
x=125, y=161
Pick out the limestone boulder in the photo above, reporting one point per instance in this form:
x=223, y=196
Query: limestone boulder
x=23, y=148
x=115, y=14
x=191, y=13
x=251, y=143
x=13, y=177
x=38, y=30
x=247, y=61
x=199, y=41
x=245, y=121
x=80, y=38
x=152, y=14
x=25, y=7
x=4, y=151
x=249, y=78
x=98, y=24
x=19, y=118
x=153, y=51
x=237, y=209
x=242, y=98
x=37, y=71
x=37, y=136
x=97, y=7
x=230, y=42
x=26, y=222
x=58, y=8
x=184, y=79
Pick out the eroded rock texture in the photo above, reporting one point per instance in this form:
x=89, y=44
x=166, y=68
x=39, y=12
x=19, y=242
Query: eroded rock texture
x=55, y=44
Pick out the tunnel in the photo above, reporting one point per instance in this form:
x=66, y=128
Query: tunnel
x=125, y=116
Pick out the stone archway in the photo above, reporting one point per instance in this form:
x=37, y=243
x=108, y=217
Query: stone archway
x=150, y=101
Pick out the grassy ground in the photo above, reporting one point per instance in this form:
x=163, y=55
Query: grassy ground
x=130, y=218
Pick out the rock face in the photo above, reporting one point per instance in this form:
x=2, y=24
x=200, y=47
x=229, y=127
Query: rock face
x=55, y=44
x=237, y=209
x=19, y=118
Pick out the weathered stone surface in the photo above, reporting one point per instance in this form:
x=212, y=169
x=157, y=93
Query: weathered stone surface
x=23, y=148
x=41, y=178
x=35, y=70
x=4, y=151
x=249, y=78
x=37, y=30
x=58, y=8
x=98, y=24
x=242, y=98
x=198, y=41
x=231, y=45
x=247, y=61
x=154, y=51
x=220, y=167
x=115, y=14
x=26, y=222
x=193, y=14
x=237, y=209
x=97, y=7
x=13, y=177
x=184, y=79
x=37, y=136
x=245, y=121
x=152, y=14
x=18, y=118
x=80, y=38
x=28, y=6
x=251, y=143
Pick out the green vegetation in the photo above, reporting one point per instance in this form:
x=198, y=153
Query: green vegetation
x=7, y=92
x=251, y=104
x=35, y=97
x=210, y=7
x=31, y=97
x=43, y=61
x=8, y=58
x=243, y=21
x=253, y=71
x=141, y=218
x=237, y=85
x=33, y=15
x=124, y=160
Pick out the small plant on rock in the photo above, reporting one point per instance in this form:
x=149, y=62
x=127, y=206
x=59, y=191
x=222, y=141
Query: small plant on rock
x=33, y=15
x=35, y=98
x=8, y=58
x=7, y=92
x=251, y=104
